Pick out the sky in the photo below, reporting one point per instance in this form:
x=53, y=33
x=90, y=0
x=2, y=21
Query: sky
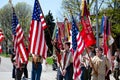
x=53, y=5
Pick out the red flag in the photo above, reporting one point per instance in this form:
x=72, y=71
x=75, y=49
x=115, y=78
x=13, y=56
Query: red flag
x=105, y=37
x=36, y=36
x=87, y=32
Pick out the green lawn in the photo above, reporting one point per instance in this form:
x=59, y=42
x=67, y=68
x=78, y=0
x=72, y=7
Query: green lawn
x=49, y=60
x=4, y=55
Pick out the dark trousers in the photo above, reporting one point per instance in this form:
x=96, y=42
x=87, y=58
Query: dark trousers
x=89, y=72
x=19, y=72
x=82, y=77
x=25, y=71
x=13, y=72
x=68, y=75
x=69, y=72
x=86, y=73
x=116, y=73
x=59, y=75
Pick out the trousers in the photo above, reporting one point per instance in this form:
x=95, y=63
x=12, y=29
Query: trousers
x=36, y=71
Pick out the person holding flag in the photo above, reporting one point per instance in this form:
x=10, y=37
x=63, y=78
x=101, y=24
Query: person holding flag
x=37, y=46
x=21, y=55
x=67, y=60
x=101, y=65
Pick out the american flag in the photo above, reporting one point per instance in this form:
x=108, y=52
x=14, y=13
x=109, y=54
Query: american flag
x=0, y=49
x=19, y=47
x=78, y=47
x=1, y=39
x=37, y=41
x=1, y=35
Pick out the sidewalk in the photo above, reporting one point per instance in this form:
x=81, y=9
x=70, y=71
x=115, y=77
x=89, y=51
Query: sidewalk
x=6, y=71
x=48, y=74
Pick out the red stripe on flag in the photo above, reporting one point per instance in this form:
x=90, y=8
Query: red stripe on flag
x=0, y=49
x=44, y=26
x=1, y=36
x=77, y=54
x=20, y=45
x=37, y=40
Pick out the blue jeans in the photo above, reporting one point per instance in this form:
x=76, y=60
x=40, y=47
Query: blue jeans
x=36, y=71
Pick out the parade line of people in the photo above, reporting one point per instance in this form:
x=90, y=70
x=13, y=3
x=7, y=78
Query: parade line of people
x=99, y=68
x=94, y=64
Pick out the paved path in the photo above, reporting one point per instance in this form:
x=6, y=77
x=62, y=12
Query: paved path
x=6, y=71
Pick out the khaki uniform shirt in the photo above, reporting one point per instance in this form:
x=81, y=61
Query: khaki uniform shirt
x=100, y=65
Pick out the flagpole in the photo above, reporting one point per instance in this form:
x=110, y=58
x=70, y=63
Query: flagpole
x=97, y=33
x=10, y=1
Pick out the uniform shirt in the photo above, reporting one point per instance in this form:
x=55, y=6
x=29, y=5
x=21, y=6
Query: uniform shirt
x=67, y=60
x=100, y=64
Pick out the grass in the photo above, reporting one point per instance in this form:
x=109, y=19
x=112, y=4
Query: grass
x=4, y=55
x=49, y=60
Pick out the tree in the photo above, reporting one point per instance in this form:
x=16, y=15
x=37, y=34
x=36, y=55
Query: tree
x=49, y=31
x=5, y=24
x=23, y=12
x=112, y=11
x=74, y=6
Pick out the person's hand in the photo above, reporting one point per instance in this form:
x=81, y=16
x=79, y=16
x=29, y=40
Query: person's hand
x=53, y=43
x=64, y=72
x=34, y=58
x=84, y=57
x=14, y=63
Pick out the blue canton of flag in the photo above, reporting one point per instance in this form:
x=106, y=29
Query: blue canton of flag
x=57, y=33
x=38, y=15
x=14, y=24
x=75, y=31
x=36, y=11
